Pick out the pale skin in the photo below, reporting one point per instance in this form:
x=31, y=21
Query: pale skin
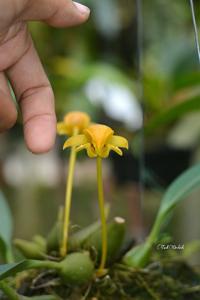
x=20, y=64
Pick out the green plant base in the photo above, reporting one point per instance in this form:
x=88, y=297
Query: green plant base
x=172, y=279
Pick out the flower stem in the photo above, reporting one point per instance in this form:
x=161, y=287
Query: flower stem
x=102, y=215
x=69, y=184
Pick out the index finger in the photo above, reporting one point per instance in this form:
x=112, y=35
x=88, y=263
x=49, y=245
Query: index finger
x=58, y=13
x=36, y=99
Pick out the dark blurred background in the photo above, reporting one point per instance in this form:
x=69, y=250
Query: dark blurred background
x=95, y=68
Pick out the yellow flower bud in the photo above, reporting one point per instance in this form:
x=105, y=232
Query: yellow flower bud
x=73, y=121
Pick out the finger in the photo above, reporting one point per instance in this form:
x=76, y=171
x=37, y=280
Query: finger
x=58, y=13
x=36, y=99
x=8, y=111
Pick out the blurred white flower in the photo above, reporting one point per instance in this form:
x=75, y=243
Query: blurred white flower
x=118, y=102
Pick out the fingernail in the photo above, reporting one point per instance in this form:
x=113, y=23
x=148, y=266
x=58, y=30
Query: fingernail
x=82, y=8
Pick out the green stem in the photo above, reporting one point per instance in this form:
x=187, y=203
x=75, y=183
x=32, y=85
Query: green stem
x=45, y=265
x=8, y=291
x=69, y=185
x=102, y=216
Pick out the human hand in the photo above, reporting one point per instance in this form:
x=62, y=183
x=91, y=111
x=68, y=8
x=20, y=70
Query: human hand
x=19, y=62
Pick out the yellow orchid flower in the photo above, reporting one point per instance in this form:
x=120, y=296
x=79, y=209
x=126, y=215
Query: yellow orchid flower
x=98, y=140
x=74, y=120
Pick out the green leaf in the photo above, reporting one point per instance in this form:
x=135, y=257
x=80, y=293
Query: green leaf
x=77, y=268
x=6, y=228
x=8, y=270
x=172, y=114
x=177, y=191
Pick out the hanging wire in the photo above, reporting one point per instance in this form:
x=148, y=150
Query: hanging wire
x=195, y=29
x=139, y=20
x=140, y=83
